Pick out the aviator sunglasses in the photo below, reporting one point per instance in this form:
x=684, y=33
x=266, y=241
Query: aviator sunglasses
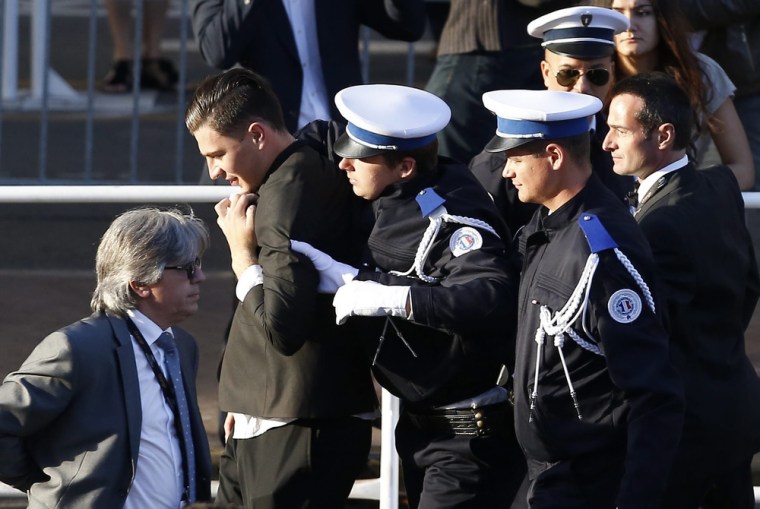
x=569, y=77
x=189, y=269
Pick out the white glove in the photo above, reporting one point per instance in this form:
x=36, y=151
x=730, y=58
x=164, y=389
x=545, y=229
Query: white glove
x=332, y=274
x=367, y=298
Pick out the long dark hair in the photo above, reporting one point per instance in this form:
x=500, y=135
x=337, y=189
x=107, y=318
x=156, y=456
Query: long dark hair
x=676, y=57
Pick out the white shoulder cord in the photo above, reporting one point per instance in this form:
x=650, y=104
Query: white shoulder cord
x=437, y=217
x=559, y=325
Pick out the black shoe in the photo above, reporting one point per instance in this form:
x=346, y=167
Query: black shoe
x=118, y=80
x=158, y=74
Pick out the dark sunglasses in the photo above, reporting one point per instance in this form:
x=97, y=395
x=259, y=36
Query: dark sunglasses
x=569, y=77
x=190, y=268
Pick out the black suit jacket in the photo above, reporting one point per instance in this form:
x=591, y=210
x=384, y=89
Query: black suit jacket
x=285, y=356
x=257, y=35
x=706, y=264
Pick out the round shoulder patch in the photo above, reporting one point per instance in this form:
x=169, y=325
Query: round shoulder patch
x=464, y=240
x=624, y=306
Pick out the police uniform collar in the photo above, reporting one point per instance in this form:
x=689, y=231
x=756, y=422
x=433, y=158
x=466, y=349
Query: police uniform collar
x=408, y=188
x=568, y=211
x=583, y=32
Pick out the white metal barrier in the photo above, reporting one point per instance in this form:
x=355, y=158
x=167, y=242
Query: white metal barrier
x=42, y=75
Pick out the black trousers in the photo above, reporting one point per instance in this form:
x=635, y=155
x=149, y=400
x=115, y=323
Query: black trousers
x=303, y=465
x=444, y=471
x=586, y=482
x=709, y=481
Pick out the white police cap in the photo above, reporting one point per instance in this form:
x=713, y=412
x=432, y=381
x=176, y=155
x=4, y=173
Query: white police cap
x=579, y=32
x=527, y=115
x=383, y=118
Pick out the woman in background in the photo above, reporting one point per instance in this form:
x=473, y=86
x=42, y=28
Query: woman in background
x=658, y=40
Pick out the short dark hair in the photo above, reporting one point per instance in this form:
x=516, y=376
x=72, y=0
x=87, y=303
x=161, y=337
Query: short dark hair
x=229, y=102
x=426, y=157
x=665, y=102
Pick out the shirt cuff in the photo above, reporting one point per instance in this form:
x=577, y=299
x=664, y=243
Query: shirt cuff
x=252, y=276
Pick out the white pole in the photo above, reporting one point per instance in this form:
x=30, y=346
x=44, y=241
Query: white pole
x=10, y=50
x=58, y=88
x=39, y=26
x=114, y=194
x=388, y=455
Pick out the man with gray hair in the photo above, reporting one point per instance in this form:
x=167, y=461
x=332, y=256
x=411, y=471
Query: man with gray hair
x=103, y=413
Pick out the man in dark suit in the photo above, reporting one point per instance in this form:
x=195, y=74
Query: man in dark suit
x=694, y=221
x=308, y=50
x=94, y=418
x=295, y=385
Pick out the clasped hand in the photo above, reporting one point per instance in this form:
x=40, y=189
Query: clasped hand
x=236, y=218
x=332, y=274
x=354, y=298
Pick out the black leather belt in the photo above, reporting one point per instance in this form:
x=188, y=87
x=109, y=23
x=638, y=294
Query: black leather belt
x=472, y=422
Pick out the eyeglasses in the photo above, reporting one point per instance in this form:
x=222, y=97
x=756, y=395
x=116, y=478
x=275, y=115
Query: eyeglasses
x=569, y=77
x=190, y=268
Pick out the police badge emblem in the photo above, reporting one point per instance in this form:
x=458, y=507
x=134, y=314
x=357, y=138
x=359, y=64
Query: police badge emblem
x=465, y=240
x=624, y=306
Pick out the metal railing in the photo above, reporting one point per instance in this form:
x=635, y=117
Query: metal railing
x=49, y=98
x=49, y=92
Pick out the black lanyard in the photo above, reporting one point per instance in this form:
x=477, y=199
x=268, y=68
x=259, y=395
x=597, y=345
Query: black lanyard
x=166, y=389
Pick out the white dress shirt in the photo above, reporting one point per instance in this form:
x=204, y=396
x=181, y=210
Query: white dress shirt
x=159, y=482
x=314, y=100
x=647, y=184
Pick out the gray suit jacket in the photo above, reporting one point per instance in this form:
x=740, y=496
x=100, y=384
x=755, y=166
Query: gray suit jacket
x=70, y=417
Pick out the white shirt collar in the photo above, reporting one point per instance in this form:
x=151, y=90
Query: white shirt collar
x=647, y=184
x=146, y=326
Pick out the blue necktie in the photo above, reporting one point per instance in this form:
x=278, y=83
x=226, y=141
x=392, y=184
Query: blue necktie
x=171, y=359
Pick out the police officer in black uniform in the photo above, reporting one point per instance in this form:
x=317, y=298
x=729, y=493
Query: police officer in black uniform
x=436, y=302
x=598, y=405
x=579, y=49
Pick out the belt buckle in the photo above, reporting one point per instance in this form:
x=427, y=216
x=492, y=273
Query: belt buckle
x=480, y=420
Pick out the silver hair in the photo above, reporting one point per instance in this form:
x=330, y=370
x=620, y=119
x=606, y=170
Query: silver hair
x=137, y=246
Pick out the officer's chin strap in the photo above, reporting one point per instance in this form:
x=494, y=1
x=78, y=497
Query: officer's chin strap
x=560, y=324
x=437, y=217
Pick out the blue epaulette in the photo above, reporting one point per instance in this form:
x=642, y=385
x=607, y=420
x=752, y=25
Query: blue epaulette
x=429, y=200
x=596, y=234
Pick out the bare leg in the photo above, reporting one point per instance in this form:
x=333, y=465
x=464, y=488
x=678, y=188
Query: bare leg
x=122, y=29
x=154, y=20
